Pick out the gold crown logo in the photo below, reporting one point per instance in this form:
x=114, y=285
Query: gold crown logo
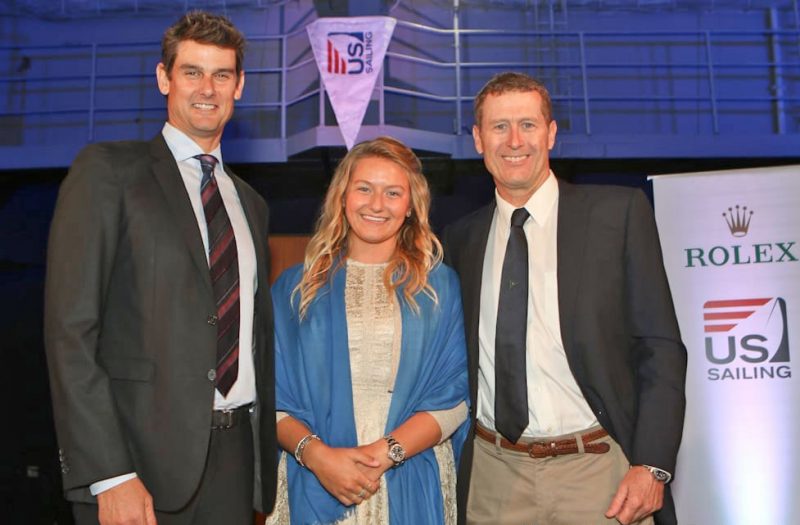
x=738, y=220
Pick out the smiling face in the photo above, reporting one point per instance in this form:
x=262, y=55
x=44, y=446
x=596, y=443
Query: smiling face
x=515, y=140
x=201, y=90
x=376, y=203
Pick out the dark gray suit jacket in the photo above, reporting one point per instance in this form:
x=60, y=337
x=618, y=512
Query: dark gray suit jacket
x=129, y=346
x=617, y=320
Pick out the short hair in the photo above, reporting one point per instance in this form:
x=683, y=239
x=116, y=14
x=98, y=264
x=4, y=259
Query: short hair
x=511, y=81
x=204, y=28
x=418, y=250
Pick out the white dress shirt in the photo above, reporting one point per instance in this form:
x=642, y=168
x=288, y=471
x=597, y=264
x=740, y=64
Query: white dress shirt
x=555, y=403
x=243, y=391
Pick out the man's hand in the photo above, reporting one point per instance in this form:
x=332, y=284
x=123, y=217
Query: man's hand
x=638, y=496
x=128, y=503
x=342, y=471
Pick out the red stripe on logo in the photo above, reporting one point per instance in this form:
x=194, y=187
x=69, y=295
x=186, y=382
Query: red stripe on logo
x=736, y=302
x=719, y=327
x=330, y=58
x=727, y=315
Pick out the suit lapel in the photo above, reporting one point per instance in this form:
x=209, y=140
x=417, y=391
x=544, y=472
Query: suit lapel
x=473, y=253
x=169, y=178
x=573, y=222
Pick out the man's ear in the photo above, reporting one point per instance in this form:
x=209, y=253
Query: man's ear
x=239, y=87
x=163, y=79
x=476, y=136
x=552, y=129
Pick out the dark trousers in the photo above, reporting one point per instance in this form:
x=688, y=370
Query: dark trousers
x=225, y=493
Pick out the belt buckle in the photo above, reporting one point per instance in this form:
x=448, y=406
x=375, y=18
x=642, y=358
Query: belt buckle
x=546, y=449
x=227, y=420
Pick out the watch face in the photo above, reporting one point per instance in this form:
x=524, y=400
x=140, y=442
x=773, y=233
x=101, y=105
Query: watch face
x=659, y=475
x=396, y=453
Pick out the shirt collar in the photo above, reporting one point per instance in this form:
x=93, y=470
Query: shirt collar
x=540, y=205
x=184, y=148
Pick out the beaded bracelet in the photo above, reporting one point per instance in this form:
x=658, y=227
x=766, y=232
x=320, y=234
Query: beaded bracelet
x=301, y=446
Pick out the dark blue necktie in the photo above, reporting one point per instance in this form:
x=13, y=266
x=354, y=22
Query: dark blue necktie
x=511, y=390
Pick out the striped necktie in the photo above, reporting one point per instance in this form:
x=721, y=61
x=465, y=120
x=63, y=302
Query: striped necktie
x=223, y=264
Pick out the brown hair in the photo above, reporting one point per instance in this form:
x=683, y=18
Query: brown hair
x=204, y=28
x=418, y=250
x=512, y=81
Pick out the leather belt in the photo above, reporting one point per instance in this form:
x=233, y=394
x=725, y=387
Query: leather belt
x=226, y=419
x=545, y=449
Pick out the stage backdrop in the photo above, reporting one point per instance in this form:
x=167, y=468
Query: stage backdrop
x=731, y=243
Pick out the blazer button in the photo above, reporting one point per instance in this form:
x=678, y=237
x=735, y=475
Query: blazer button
x=212, y=320
x=212, y=374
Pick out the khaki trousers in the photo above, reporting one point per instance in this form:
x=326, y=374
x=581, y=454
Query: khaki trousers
x=512, y=488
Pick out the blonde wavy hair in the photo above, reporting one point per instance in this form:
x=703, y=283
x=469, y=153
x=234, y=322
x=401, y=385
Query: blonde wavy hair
x=417, y=252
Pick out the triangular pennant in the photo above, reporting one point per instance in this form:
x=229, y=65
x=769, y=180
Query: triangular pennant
x=349, y=54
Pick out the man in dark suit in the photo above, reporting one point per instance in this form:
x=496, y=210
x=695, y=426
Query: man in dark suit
x=577, y=381
x=157, y=277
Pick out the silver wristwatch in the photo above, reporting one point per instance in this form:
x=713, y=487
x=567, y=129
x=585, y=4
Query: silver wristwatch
x=659, y=474
x=396, y=451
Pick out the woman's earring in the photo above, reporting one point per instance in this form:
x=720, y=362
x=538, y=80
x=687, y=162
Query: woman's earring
x=408, y=214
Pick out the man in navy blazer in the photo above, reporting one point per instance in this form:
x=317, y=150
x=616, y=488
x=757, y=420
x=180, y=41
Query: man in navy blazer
x=604, y=362
x=146, y=429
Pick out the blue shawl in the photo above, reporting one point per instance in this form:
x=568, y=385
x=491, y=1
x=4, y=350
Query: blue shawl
x=313, y=385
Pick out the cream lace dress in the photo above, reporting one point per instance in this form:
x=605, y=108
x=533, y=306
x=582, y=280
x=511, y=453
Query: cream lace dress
x=374, y=328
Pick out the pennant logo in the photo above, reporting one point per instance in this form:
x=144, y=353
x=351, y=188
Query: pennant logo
x=349, y=54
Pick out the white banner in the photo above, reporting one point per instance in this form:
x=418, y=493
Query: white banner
x=349, y=54
x=731, y=243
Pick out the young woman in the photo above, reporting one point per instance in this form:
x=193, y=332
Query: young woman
x=370, y=355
